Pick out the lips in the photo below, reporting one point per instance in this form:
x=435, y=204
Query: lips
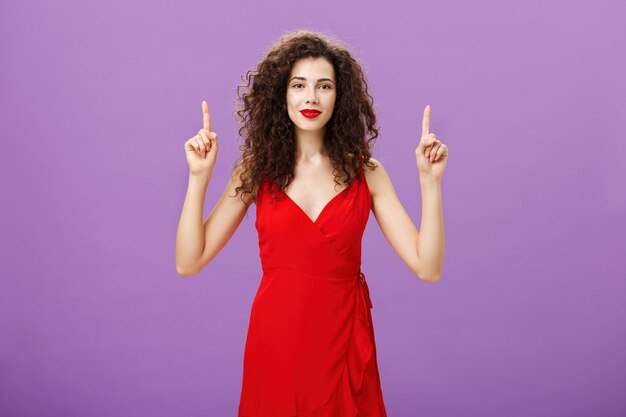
x=310, y=113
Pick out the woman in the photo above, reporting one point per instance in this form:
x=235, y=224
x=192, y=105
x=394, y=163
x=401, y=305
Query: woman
x=308, y=126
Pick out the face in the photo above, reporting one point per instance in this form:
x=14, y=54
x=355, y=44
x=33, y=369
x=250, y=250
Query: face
x=311, y=86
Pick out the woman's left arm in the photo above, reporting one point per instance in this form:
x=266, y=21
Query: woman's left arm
x=431, y=240
x=421, y=251
x=431, y=156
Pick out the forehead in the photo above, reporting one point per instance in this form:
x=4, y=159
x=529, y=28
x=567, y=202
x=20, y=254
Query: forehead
x=313, y=68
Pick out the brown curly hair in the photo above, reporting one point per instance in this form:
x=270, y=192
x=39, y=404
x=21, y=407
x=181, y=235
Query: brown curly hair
x=268, y=151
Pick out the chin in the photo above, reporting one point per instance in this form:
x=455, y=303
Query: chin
x=310, y=128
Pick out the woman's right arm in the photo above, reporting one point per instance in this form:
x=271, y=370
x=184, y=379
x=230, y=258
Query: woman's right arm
x=197, y=243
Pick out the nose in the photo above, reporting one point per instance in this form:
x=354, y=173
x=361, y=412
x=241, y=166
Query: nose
x=312, y=98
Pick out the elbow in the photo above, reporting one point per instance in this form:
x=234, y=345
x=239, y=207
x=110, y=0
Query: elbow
x=426, y=272
x=185, y=272
x=428, y=277
x=186, y=267
x=436, y=278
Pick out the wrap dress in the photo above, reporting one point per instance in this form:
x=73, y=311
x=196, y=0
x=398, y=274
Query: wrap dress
x=310, y=348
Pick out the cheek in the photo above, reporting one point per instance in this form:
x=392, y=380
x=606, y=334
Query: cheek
x=291, y=99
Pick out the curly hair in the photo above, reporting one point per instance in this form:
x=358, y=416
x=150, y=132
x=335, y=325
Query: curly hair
x=268, y=151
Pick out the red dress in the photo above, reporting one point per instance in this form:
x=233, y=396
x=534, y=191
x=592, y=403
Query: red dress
x=310, y=349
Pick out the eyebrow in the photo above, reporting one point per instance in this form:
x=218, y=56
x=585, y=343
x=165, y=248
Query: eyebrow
x=318, y=80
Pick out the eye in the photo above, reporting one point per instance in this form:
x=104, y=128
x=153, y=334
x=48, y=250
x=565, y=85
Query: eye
x=323, y=85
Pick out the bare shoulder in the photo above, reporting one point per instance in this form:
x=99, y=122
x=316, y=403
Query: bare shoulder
x=235, y=182
x=393, y=219
x=376, y=177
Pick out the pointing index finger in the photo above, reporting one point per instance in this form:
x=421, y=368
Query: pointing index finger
x=206, y=117
x=426, y=121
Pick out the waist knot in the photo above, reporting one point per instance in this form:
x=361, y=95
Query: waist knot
x=365, y=295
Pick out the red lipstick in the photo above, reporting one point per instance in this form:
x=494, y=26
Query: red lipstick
x=310, y=113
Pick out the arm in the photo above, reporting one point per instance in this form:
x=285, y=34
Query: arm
x=189, y=236
x=431, y=242
x=421, y=252
x=197, y=243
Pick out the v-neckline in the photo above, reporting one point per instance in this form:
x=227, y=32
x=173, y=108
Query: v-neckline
x=314, y=222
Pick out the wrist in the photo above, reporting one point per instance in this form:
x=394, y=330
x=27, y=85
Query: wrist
x=199, y=178
x=429, y=181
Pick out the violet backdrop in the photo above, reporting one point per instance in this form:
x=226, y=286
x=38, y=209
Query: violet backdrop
x=97, y=99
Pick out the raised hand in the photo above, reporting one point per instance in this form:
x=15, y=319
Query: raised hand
x=431, y=154
x=201, y=150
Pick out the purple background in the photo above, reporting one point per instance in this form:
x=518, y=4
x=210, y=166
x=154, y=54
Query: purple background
x=97, y=99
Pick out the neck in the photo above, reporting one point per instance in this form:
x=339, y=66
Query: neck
x=309, y=145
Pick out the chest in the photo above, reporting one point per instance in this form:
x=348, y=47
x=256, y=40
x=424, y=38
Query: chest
x=312, y=195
